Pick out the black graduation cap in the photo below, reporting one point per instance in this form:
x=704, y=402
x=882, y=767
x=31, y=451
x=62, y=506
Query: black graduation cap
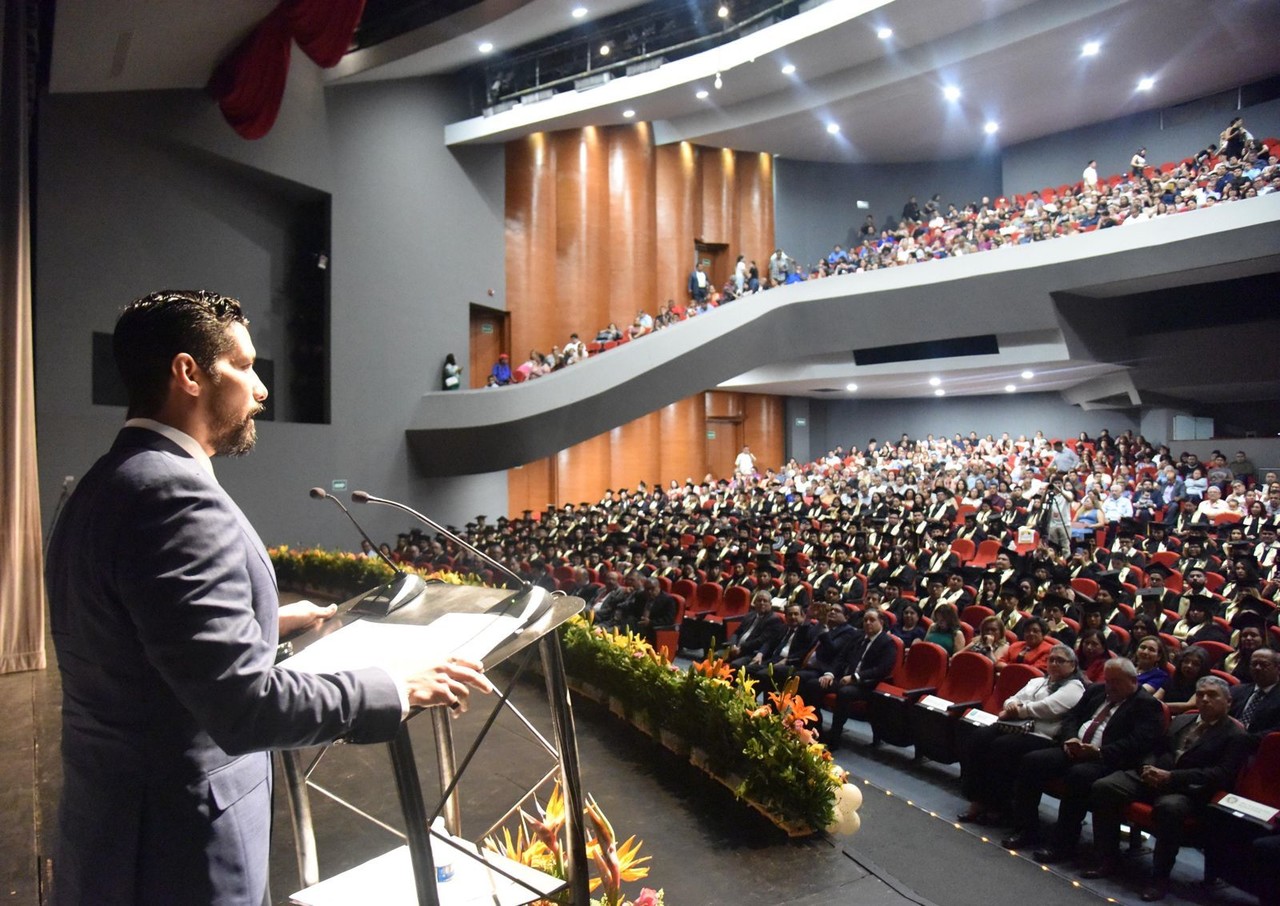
x=1011, y=588
x=1203, y=601
x=939, y=578
x=1159, y=569
x=1150, y=593
x=1055, y=600
x=1250, y=617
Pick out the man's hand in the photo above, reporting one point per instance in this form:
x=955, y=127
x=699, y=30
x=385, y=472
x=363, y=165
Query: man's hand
x=448, y=683
x=302, y=616
x=1154, y=777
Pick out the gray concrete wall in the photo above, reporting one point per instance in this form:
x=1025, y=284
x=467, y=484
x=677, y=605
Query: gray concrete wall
x=143, y=191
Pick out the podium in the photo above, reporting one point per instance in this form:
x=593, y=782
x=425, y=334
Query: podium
x=409, y=874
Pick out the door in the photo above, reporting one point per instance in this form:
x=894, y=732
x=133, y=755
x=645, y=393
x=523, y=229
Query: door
x=489, y=339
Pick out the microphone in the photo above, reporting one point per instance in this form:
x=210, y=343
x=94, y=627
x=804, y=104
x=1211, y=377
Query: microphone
x=384, y=599
x=365, y=497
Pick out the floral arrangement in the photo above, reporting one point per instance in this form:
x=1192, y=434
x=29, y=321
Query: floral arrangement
x=766, y=753
x=345, y=574
x=539, y=843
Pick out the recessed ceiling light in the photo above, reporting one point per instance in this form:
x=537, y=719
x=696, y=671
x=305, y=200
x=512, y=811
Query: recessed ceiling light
x=1146, y=83
x=628, y=113
x=991, y=128
x=1090, y=48
x=723, y=11
x=833, y=128
x=1028, y=375
x=1010, y=388
x=486, y=47
x=719, y=82
x=935, y=382
x=579, y=12
x=939, y=392
x=884, y=34
x=604, y=50
x=702, y=94
x=851, y=387
x=951, y=93
x=789, y=69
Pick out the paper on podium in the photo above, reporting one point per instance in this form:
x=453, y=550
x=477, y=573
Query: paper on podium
x=365, y=643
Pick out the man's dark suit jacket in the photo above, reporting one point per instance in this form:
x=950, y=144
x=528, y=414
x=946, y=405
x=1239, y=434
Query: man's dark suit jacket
x=164, y=616
x=829, y=646
x=881, y=657
x=1266, y=718
x=1208, y=766
x=767, y=630
x=1130, y=735
x=806, y=636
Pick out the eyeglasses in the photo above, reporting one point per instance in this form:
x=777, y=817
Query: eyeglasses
x=1059, y=660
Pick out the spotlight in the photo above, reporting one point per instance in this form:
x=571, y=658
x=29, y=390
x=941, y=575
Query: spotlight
x=486, y=47
x=1010, y=388
x=833, y=128
x=939, y=392
x=628, y=113
x=604, y=50
x=1028, y=375
x=951, y=93
x=723, y=11
x=1146, y=83
x=852, y=388
x=884, y=34
x=579, y=12
x=991, y=128
x=702, y=94
x=1090, y=49
x=789, y=69
x=935, y=382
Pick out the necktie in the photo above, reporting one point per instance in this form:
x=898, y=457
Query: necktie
x=1251, y=707
x=786, y=645
x=1098, y=720
x=1189, y=739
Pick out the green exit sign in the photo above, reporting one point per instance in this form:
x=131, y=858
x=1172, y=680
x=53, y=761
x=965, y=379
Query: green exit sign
x=711, y=435
x=338, y=484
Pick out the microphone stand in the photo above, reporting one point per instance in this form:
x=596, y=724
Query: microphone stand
x=391, y=596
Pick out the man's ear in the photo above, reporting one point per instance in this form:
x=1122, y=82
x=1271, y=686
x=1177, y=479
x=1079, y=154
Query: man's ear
x=185, y=375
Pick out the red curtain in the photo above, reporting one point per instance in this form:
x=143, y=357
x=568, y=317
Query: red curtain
x=249, y=84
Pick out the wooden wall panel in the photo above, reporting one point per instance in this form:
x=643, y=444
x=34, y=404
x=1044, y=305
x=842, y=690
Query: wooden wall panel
x=632, y=453
x=754, y=196
x=581, y=241
x=530, y=486
x=531, y=235
x=677, y=205
x=765, y=428
x=724, y=404
x=582, y=471
x=631, y=281
x=718, y=198
x=681, y=451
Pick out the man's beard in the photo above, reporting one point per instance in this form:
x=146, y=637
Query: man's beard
x=235, y=437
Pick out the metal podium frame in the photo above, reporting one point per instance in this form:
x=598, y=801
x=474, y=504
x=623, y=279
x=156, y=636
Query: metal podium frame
x=435, y=601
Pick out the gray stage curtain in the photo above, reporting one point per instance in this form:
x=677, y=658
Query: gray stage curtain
x=21, y=559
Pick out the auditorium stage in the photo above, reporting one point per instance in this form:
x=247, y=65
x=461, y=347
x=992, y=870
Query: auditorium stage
x=707, y=848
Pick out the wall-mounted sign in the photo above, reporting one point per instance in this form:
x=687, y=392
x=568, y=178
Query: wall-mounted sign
x=338, y=484
x=711, y=435
x=801, y=422
x=486, y=327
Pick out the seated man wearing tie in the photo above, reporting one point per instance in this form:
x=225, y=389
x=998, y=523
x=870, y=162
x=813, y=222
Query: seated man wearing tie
x=1199, y=756
x=1257, y=704
x=774, y=665
x=760, y=629
x=1113, y=727
x=868, y=660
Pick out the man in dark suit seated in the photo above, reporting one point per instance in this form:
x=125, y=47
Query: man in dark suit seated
x=654, y=609
x=1200, y=755
x=773, y=666
x=1113, y=727
x=759, y=630
x=867, y=661
x=1257, y=704
x=165, y=618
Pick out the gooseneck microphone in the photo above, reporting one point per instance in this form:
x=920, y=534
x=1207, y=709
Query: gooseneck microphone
x=384, y=599
x=365, y=497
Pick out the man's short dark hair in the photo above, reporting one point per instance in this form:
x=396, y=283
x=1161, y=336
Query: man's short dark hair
x=154, y=329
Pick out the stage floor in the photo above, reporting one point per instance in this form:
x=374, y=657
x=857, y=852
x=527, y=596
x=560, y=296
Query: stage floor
x=706, y=847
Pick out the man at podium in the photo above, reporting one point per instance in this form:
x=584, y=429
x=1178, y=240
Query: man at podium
x=165, y=618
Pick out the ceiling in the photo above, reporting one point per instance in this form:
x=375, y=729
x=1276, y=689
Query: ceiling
x=1017, y=63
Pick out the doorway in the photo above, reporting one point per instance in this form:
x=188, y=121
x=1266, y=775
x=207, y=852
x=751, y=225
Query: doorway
x=490, y=336
x=724, y=440
x=714, y=258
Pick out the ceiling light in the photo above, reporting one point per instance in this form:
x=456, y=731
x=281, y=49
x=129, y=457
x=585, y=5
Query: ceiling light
x=1010, y=388
x=1028, y=375
x=833, y=128
x=939, y=392
x=789, y=69
x=951, y=93
x=719, y=82
x=884, y=34
x=991, y=128
x=935, y=382
x=604, y=50
x=1146, y=83
x=1090, y=48
x=702, y=94
x=579, y=12
x=486, y=47
x=851, y=387
x=628, y=113
x=723, y=11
